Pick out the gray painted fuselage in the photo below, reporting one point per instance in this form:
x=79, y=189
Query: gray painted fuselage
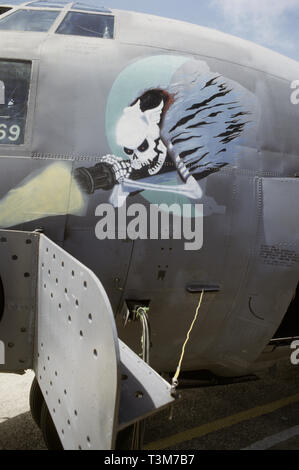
x=250, y=231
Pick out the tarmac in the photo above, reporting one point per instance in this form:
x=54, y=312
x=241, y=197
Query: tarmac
x=260, y=414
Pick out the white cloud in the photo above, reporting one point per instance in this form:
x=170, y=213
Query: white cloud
x=261, y=20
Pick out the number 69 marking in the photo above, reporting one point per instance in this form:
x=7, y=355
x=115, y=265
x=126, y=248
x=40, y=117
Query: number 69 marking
x=13, y=131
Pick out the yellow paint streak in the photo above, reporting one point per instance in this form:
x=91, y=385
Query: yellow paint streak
x=51, y=192
x=220, y=424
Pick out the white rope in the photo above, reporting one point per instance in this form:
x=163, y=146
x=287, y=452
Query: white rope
x=178, y=370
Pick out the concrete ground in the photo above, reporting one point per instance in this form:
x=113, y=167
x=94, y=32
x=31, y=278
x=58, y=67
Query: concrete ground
x=17, y=429
x=262, y=414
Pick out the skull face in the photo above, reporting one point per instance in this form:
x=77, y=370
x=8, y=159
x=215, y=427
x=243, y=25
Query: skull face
x=139, y=134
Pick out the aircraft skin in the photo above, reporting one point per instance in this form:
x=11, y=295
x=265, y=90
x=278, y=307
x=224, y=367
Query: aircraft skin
x=223, y=109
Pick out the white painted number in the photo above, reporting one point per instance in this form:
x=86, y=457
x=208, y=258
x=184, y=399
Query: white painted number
x=2, y=131
x=2, y=92
x=13, y=132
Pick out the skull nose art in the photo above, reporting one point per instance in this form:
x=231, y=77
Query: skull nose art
x=144, y=146
x=128, y=151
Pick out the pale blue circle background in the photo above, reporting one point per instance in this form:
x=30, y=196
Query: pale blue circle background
x=141, y=75
x=144, y=74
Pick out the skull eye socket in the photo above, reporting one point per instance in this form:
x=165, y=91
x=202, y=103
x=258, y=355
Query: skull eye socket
x=128, y=151
x=143, y=147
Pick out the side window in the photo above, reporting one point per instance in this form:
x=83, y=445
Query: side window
x=14, y=92
x=28, y=20
x=84, y=24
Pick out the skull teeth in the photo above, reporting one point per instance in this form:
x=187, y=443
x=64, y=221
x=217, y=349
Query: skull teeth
x=155, y=169
x=152, y=165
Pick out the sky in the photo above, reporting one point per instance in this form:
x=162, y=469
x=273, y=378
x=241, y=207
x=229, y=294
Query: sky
x=271, y=23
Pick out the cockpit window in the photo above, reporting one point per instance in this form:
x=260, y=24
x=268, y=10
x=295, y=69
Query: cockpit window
x=12, y=2
x=29, y=20
x=14, y=92
x=48, y=4
x=83, y=24
x=89, y=7
x=4, y=10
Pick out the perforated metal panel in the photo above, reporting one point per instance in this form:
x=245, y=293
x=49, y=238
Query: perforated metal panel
x=84, y=371
x=143, y=391
x=18, y=272
x=76, y=351
x=58, y=318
